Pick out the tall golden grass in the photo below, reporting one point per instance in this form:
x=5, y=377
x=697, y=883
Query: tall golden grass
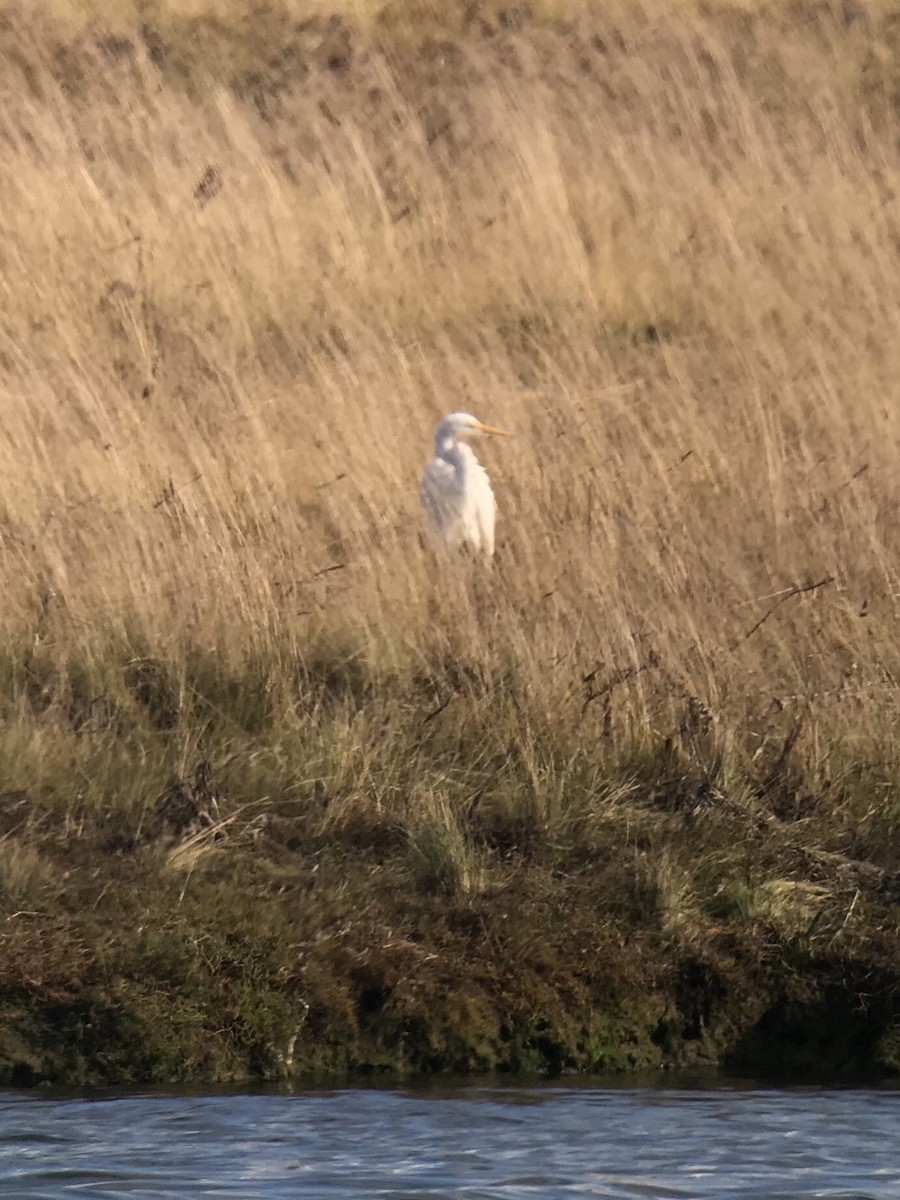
x=246, y=267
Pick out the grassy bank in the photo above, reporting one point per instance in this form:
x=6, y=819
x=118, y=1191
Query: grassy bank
x=280, y=795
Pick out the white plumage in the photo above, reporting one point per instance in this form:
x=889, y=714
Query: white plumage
x=455, y=491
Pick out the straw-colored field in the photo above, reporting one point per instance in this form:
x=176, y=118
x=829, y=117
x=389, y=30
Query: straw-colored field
x=246, y=265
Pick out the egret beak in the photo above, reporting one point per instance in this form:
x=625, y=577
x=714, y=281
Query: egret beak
x=492, y=429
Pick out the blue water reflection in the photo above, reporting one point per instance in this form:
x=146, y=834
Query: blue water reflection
x=477, y=1143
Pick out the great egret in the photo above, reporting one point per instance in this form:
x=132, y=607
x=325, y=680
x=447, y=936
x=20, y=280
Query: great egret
x=455, y=490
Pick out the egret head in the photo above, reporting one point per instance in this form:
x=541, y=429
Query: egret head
x=463, y=425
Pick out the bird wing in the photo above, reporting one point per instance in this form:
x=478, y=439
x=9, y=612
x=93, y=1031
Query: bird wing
x=460, y=506
x=442, y=499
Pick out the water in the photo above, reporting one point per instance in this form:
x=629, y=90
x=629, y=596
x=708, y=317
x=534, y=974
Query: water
x=476, y=1143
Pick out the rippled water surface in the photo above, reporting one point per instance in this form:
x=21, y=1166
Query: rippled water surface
x=475, y=1142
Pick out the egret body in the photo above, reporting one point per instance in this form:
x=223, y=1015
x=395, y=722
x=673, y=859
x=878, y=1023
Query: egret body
x=456, y=493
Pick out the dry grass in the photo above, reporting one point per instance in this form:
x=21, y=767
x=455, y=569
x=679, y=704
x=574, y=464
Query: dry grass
x=244, y=273
x=444, y=860
x=26, y=880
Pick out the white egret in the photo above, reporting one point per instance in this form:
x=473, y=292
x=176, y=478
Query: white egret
x=455, y=491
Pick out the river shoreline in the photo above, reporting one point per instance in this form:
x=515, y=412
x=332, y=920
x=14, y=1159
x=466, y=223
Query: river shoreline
x=451, y=989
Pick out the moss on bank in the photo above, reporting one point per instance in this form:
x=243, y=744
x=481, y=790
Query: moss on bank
x=312, y=953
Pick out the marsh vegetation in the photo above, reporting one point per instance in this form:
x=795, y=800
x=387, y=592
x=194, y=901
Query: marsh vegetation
x=280, y=793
